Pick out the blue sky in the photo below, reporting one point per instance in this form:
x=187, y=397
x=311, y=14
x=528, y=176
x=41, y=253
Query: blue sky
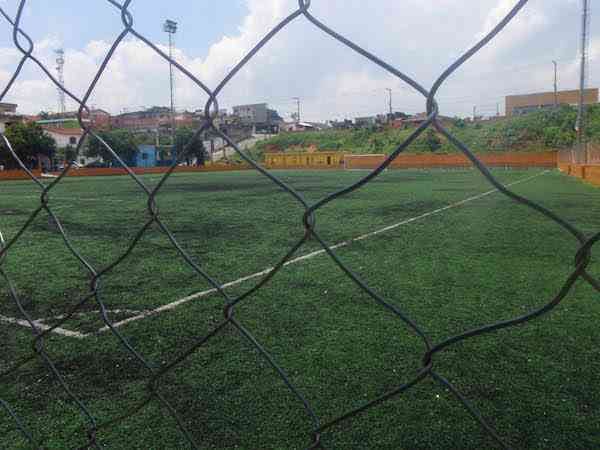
x=419, y=37
x=201, y=23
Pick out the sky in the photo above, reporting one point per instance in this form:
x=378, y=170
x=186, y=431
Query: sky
x=418, y=37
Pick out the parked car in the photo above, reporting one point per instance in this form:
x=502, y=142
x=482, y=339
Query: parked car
x=74, y=165
x=96, y=165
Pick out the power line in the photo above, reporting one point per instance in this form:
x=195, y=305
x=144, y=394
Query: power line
x=555, y=83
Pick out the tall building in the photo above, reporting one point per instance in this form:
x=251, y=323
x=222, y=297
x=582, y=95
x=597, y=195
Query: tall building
x=8, y=115
x=259, y=116
x=523, y=104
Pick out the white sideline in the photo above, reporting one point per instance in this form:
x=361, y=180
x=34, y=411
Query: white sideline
x=43, y=327
x=78, y=199
x=198, y=295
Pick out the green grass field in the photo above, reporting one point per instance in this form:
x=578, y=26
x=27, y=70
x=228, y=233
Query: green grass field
x=486, y=260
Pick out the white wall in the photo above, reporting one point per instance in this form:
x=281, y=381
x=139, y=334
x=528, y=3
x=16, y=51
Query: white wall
x=62, y=140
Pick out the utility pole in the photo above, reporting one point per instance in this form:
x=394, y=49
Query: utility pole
x=391, y=109
x=555, y=84
x=170, y=27
x=580, y=126
x=298, y=109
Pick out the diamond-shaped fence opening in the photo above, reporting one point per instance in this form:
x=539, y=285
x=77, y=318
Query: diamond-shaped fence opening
x=94, y=295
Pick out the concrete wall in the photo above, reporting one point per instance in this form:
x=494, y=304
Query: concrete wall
x=304, y=160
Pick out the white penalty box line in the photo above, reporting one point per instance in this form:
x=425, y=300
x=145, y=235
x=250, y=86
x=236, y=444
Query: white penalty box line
x=171, y=306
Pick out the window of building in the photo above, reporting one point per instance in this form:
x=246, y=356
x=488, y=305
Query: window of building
x=73, y=140
x=144, y=155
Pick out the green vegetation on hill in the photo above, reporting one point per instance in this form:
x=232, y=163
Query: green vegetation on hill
x=538, y=131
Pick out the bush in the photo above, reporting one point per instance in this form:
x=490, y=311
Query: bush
x=540, y=130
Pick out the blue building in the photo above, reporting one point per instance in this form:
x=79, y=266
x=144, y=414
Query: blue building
x=146, y=156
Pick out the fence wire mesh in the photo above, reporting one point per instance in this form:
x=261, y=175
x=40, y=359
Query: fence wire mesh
x=92, y=434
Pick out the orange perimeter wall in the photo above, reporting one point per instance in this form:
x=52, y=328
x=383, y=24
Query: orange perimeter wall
x=542, y=159
x=103, y=172
x=513, y=159
x=18, y=174
x=586, y=172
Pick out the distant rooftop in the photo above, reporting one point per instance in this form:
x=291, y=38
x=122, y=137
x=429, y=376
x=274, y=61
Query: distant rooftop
x=55, y=121
x=8, y=108
x=64, y=131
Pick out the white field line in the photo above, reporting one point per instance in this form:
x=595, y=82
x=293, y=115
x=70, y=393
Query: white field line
x=78, y=199
x=75, y=334
x=40, y=326
x=198, y=295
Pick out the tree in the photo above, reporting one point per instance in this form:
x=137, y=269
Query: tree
x=122, y=142
x=187, y=146
x=433, y=141
x=69, y=153
x=459, y=123
x=29, y=141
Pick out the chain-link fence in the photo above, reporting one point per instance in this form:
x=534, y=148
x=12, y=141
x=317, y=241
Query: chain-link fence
x=25, y=45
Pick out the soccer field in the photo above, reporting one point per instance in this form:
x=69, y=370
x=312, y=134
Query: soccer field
x=442, y=246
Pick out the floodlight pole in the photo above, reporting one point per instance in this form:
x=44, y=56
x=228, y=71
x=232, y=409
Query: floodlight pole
x=170, y=27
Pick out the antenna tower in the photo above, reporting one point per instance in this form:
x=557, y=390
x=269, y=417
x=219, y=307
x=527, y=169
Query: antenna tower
x=60, y=71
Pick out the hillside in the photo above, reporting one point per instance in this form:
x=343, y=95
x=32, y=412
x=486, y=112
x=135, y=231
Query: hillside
x=538, y=131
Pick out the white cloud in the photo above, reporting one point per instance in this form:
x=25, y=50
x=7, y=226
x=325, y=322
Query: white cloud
x=420, y=38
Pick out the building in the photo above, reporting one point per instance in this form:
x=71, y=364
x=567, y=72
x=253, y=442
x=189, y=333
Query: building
x=367, y=121
x=98, y=117
x=8, y=115
x=146, y=156
x=345, y=124
x=64, y=137
x=251, y=114
x=259, y=116
x=303, y=126
x=8, y=108
x=60, y=123
x=153, y=119
x=523, y=104
x=417, y=120
x=300, y=160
